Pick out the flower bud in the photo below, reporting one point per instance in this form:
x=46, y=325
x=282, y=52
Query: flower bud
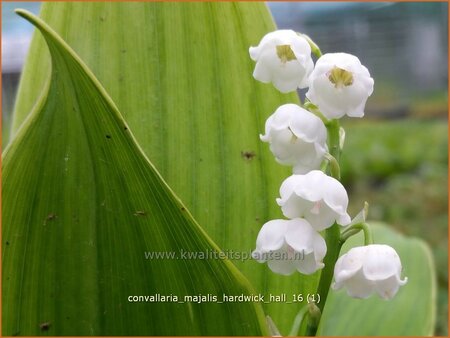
x=368, y=269
x=340, y=85
x=296, y=137
x=289, y=245
x=320, y=199
x=283, y=57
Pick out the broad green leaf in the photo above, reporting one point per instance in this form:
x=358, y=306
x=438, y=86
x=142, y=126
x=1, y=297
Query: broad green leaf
x=81, y=205
x=181, y=75
x=411, y=313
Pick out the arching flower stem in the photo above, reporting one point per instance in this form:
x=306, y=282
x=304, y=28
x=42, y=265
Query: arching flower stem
x=356, y=228
x=314, y=48
x=308, y=105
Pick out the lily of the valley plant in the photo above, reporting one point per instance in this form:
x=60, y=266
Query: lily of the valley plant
x=310, y=139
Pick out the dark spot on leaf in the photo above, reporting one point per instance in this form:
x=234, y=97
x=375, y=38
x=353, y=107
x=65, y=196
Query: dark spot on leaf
x=102, y=18
x=125, y=128
x=123, y=50
x=108, y=136
x=140, y=213
x=50, y=217
x=7, y=243
x=183, y=209
x=257, y=219
x=201, y=160
x=45, y=326
x=248, y=155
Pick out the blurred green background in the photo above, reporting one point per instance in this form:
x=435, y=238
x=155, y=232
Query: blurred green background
x=396, y=157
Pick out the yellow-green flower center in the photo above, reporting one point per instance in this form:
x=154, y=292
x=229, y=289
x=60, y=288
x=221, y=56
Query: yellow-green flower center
x=340, y=77
x=285, y=53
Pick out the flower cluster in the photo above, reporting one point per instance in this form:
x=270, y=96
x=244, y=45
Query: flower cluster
x=338, y=84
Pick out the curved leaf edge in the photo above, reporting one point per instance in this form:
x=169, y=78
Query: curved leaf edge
x=49, y=33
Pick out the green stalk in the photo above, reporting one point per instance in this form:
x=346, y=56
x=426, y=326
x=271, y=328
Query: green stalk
x=334, y=247
x=333, y=137
x=356, y=228
x=332, y=236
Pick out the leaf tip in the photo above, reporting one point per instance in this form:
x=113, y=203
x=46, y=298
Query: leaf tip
x=22, y=12
x=30, y=17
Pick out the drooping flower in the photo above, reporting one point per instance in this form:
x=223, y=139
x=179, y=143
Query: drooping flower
x=297, y=137
x=320, y=199
x=340, y=85
x=289, y=245
x=368, y=269
x=283, y=57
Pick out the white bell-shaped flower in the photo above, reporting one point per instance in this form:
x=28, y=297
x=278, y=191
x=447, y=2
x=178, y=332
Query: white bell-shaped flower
x=297, y=137
x=340, y=85
x=289, y=245
x=320, y=199
x=283, y=57
x=368, y=269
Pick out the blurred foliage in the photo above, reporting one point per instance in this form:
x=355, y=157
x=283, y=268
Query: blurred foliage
x=432, y=105
x=375, y=150
x=400, y=167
